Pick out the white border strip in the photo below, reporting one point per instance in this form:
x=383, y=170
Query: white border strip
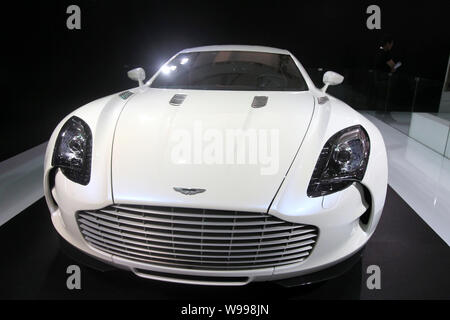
x=21, y=181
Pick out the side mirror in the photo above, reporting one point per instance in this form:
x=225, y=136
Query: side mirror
x=331, y=78
x=137, y=74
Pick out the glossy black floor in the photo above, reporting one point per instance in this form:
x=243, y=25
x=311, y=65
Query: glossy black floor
x=414, y=263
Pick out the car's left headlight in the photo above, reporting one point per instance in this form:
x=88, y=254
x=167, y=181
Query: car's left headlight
x=73, y=151
x=342, y=161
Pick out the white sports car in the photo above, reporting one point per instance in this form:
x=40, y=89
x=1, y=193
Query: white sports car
x=228, y=166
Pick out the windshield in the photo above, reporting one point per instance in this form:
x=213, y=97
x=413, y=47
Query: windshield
x=231, y=70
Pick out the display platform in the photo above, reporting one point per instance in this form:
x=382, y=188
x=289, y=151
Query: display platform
x=413, y=260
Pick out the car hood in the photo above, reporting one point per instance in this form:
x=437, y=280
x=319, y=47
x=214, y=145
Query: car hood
x=215, y=141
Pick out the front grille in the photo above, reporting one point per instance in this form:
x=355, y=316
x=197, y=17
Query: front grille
x=197, y=238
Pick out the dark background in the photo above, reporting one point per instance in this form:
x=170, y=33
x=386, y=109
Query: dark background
x=48, y=70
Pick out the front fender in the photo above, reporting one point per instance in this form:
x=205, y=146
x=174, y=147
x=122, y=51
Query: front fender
x=101, y=115
x=292, y=199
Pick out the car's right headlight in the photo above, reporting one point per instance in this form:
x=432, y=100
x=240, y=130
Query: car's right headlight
x=343, y=160
x=73, y=151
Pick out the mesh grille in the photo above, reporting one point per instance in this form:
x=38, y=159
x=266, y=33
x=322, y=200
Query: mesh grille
x=196, y=238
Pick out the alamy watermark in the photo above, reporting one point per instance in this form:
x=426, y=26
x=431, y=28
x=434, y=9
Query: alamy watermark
x=374, y=20
x=374, y=280
x=73, y=22
x=74, y=279
x=210, y=146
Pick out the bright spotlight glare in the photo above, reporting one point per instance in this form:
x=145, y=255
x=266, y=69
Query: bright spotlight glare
x=167, y=69
x=184, y=60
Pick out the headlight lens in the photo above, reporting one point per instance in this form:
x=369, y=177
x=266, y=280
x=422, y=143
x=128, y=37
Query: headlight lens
x=73, y=151
x=342, y=161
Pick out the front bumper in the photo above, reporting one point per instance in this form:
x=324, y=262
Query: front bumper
x=307, y=279
x=342, y=234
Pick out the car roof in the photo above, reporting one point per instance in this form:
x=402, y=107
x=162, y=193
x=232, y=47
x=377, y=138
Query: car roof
x=237, y=48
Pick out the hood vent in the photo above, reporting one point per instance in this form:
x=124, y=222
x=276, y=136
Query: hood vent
x=322, y=100
x=259, y=101
x=177, y=99
x=125, y=95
